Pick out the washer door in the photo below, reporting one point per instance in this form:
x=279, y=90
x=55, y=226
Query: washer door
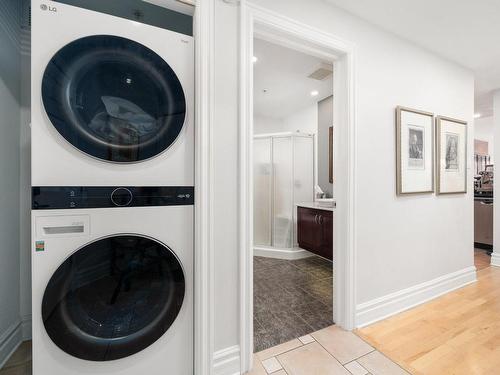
x=113, y=298
x=113, y=98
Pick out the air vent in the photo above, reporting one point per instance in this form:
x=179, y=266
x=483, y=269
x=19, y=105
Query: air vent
x=323, y=72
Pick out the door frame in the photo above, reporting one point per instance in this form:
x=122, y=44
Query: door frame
x=204, y=315
x=271, y=26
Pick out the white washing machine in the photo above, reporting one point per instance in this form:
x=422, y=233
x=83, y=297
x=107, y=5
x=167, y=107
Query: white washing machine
x=112, y=286
x=112, y=100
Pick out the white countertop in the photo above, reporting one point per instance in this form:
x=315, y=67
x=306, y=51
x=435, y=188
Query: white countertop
x=315, y=205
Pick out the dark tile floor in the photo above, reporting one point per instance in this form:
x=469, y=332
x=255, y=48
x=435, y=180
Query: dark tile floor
x=291, y=298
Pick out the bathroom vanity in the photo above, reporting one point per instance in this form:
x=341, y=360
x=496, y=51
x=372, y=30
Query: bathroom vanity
x=315, y=229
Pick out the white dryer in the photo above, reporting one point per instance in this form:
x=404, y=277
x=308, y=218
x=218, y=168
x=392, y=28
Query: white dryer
x=112, y=287
x=112, y=100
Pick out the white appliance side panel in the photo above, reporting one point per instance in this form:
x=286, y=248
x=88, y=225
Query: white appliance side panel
x=55, y=162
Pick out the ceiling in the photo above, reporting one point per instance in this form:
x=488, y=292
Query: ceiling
x=464, y=31
x=281, y=82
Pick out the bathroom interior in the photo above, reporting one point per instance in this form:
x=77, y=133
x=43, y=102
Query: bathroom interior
x=293, y=194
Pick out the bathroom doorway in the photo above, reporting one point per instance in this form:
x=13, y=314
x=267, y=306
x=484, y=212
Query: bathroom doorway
x=292, y=194
x=259, y=23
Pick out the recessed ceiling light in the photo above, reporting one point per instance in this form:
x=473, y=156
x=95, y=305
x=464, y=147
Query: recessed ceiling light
x=255, y=59
x=477, y=115
x=315, y=93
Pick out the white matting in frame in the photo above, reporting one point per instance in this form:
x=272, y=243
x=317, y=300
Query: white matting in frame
x=451, y=143
x=414, y=151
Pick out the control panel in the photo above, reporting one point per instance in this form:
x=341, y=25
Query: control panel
x=73, y=197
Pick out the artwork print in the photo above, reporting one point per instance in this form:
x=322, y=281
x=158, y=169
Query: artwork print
x=451, y=158
x=416, y=150
x=451, y=161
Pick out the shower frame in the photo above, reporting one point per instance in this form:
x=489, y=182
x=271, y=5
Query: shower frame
x=291, y=252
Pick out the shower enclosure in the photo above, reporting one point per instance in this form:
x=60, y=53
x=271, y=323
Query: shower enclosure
x=283, y=177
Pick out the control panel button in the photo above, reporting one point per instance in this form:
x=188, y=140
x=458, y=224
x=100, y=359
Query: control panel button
x=121, y=197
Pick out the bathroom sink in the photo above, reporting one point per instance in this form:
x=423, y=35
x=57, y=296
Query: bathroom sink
x=325, y=202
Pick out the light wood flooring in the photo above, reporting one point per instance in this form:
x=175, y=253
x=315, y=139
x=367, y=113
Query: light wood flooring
x=458, y=333
x=482, y=259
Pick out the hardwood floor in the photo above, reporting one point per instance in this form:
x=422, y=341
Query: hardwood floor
x=482, y=259
x=20, y=361
x=458, y=333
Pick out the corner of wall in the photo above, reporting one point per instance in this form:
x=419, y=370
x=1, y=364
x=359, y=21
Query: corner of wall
x=495, y=259
x=26, y=325
x=10, y=340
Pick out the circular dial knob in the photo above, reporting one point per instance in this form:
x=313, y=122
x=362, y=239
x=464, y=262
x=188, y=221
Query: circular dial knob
x=121, y=197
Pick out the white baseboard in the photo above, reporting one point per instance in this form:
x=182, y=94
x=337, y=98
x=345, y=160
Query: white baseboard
x=495, y=259
x=10, y=339
x=288, y=254
x=26, y=327
x=391, y=304
x=227, y=361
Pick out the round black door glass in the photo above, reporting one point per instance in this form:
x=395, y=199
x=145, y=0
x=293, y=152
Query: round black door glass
x=113, y=98
x=113, y=298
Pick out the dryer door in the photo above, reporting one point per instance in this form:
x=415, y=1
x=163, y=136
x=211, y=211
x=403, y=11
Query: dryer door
x=113, y=99
x=113, y=298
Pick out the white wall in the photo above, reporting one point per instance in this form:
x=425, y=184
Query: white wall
x=305, y=120
x=225, y=156
x=401, y=242
x=9, y=176
x=264, y=125
x=483, y=130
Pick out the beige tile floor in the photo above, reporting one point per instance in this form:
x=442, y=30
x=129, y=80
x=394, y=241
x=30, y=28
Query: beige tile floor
x=330, y=351
x=20, y=362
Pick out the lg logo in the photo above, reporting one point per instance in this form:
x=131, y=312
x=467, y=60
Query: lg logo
x=45, y=7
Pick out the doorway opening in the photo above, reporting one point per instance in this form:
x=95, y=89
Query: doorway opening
x=282, y=165
x=483, y=191
x=293, y=194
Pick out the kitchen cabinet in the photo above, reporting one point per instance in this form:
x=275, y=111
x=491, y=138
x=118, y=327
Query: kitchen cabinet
x=315, y=231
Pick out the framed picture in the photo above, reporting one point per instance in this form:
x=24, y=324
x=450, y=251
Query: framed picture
x=330, y=154
x=451, y=148
x=414, y=151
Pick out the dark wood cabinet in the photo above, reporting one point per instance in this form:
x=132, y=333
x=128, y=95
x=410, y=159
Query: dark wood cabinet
x=315, y=231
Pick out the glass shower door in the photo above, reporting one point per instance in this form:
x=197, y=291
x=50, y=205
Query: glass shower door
x=282, y=192
x=262, y=191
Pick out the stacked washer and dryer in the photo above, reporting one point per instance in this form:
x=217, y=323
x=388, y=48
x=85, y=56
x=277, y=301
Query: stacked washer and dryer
x=112, y=205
